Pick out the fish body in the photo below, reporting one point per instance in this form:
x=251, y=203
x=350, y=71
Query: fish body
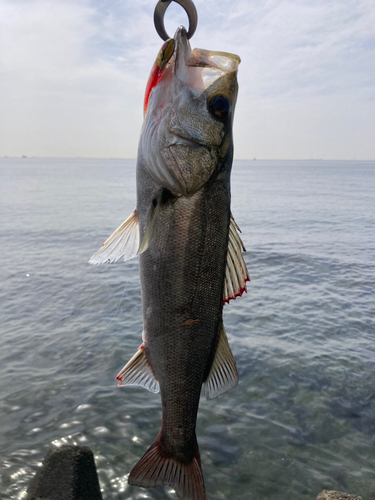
x=189, y=254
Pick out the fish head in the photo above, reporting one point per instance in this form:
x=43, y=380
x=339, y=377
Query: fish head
x=187, y=130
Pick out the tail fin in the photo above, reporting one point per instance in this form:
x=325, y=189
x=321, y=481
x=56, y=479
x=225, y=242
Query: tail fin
x=156, y=469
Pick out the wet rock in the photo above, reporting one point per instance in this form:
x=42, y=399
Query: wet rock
x=68, y=473
x=336, y=495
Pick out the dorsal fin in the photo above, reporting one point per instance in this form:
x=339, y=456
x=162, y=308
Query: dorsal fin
x=124, y=242
x=236, y=274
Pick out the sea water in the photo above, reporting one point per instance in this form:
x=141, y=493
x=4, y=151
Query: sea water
x=302, y=418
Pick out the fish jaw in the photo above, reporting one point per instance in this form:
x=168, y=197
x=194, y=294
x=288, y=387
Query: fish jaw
x=181, y=140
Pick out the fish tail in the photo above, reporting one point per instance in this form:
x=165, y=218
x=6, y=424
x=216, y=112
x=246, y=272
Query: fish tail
x=155, y=468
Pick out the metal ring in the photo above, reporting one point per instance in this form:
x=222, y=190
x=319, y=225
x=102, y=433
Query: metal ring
x=159, y=13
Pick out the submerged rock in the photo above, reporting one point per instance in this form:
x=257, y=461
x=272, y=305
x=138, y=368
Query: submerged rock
x=336, y=495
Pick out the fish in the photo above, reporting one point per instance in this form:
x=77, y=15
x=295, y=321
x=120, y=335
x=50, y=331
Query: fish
x=190, y=253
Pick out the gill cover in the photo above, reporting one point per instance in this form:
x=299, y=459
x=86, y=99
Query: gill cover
x=189, y=106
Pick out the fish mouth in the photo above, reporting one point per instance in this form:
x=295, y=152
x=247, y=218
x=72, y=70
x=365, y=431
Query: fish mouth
x=199, y=68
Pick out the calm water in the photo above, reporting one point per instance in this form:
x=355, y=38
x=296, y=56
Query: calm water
x=303, y=416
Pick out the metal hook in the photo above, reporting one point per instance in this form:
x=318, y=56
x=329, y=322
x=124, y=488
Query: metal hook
x=159, y=13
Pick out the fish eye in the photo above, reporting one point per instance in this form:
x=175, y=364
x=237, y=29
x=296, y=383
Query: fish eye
x=219, y=106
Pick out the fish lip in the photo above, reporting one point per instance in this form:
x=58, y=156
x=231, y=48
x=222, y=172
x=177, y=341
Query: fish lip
x=182, y=51
x=181, y=42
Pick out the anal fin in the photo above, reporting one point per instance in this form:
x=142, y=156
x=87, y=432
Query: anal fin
x=223, y=375
x=124, y=242
x=236, y=274
x=138, y=372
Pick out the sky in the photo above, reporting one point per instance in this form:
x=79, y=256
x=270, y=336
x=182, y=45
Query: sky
x=73, y=73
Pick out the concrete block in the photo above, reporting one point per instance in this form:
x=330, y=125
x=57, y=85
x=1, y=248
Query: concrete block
x=68, y=473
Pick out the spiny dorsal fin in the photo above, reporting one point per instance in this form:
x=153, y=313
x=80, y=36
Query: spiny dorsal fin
x=236, y=273
x=138, y=372
x=223, y=375
x=124, y=242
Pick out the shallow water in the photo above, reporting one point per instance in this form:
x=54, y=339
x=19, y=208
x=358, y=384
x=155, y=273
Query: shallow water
x=302, y=417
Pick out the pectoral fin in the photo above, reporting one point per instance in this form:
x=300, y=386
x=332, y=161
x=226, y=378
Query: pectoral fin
x=236, y=273
x=138, y=372
x=124, y=242
x=147, y=237
x=223, y=375
x=164, y=197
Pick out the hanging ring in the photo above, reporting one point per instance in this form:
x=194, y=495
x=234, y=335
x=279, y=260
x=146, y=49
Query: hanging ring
x=159, y=13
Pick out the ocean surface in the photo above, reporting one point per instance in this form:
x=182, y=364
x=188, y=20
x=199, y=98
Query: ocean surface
x=302, y=418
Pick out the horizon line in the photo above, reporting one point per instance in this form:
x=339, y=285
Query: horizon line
x=24, y=157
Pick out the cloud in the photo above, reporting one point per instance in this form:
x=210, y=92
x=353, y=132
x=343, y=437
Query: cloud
x=305, y=46
x=60, y=96
x=72, y=74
